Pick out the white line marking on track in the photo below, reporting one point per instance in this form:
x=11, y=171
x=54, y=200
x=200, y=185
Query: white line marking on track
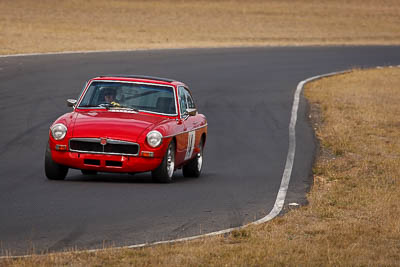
x=280, y=199
x=119, y=51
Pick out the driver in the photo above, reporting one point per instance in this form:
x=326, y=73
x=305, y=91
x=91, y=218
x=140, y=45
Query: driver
x=109, y=95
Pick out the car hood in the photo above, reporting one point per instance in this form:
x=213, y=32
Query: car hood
x=113, y=124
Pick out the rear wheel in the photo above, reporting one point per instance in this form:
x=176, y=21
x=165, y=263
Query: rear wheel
x=53, y=170
x=193, y=168
x=165, y=171
x=88, y=172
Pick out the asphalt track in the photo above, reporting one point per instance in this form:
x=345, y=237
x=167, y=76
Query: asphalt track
x=246, y=94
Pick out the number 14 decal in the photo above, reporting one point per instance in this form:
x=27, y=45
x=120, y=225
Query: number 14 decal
x=190, y=146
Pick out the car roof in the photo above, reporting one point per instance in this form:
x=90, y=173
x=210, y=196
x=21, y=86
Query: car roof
x=142, y=77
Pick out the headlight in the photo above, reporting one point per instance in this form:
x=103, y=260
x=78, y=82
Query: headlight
x=154, y=138
x=58, y=131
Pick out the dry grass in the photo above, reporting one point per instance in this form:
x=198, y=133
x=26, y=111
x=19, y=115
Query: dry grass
x=41, y=26
x=352, y=218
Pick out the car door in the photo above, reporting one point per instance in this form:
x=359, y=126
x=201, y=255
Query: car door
x=182, y=137
x=189, y=139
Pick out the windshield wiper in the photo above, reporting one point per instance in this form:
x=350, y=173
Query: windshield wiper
x=106, y=105
x=88, y=106
x=115, y=105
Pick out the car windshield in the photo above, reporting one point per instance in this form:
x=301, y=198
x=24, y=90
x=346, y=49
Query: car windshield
x=143, y=97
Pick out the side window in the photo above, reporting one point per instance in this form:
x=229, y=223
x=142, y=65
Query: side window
x=182, y=99
x=190, y=101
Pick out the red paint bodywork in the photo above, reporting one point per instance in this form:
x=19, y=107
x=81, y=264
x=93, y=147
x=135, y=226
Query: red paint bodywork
x=131, y=127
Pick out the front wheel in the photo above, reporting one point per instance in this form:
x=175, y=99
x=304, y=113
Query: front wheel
x=53, y=170
x=193, y=168
x=165, y=171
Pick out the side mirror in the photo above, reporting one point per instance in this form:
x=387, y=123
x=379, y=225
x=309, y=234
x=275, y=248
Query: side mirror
x=71, y=102
x=191, y=111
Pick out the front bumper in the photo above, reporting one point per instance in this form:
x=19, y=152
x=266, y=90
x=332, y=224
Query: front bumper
x=104, y=162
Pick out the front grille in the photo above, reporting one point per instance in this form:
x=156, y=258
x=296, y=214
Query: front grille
x=85, y=146
x=93, y=145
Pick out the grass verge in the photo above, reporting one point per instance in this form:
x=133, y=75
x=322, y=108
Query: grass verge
x=352, y=216
x=28, y=26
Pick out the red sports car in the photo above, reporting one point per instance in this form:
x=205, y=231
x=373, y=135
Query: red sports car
x=129, y=124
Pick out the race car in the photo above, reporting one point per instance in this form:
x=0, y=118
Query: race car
x=129, y=124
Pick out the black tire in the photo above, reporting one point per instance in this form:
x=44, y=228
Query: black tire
x=54, y=171
x=193, y=168
x=165, y=172
x=88, y=172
